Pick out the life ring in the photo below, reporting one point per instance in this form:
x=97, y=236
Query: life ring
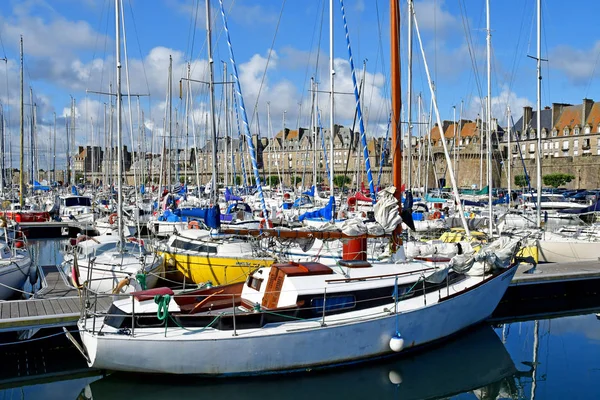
x=135, y=240
x=435, y=215
x=193, y=225
x=112, y=218
x=265, y=223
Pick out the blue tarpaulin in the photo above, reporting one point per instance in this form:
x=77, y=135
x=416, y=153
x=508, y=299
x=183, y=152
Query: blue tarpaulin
x=211, y=216
x=230, y=196
x=325, y=212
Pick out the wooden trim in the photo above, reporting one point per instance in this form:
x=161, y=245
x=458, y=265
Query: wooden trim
x=364, y=278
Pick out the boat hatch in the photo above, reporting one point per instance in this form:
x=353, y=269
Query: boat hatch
x=303, y=269
x=354, y=264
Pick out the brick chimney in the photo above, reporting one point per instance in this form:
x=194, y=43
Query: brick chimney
x=557, y=109
x=527, y=113
x=585, y=112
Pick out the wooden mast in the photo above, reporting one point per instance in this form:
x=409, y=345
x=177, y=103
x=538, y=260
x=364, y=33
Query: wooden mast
x=396, y=107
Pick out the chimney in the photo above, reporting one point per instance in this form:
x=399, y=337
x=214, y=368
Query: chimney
x=80, y=150
x=557, y=109
x=585, y=112
x=527, y=113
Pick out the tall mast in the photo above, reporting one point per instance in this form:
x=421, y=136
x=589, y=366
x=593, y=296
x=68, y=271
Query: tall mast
x=54, y=153
x=396, y=109
x=226, y=116
x=119, y=124
x=538, y=157
x=409, y=98
x=489, y=118
x=508, y=173
x=22, y=131
x=170, y=158
x=331, y=102
x=211, y=89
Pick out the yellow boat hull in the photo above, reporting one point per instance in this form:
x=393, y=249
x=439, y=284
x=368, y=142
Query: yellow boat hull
x=215, y=269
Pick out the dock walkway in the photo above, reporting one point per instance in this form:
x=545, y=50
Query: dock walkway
x=56, y=304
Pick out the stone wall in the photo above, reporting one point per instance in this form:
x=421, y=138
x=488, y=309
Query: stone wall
x=585, y=168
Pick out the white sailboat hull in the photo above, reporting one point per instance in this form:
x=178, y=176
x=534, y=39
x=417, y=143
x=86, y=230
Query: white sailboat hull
x=13, y=274
x=296, y=345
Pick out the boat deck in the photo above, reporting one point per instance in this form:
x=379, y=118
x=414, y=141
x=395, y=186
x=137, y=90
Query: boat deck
x=56, y=304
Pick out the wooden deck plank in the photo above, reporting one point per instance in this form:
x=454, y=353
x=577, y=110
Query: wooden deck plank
x=31, y=310
x=72, y=303
x=14, y=310
x=39, y=306
x=49, y=307
x=56, y=304
x=4, y=310
x=23, y=313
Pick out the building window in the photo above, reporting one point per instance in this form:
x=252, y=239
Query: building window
x=556, y=145
x=532, y=134
x=546, y=146
x=576, y=131
x=544, y=133
x=554, y=132
x=566, y=131
x=576, y=143
x=532, y=148
x=587, y=129
x=565, y=145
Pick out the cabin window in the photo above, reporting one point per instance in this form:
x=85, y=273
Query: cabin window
x=199, y=247
x=333, y=303
x=254, y=283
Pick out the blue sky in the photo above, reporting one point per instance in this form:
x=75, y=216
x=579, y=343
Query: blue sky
x=69, y=47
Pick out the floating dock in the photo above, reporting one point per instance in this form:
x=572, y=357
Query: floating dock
x=56, y=304
x=55, y=229
x=549, y=290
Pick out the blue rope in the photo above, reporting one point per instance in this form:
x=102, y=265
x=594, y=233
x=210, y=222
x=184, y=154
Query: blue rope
x=32, y=340
x=361, y=124
x=387, y=133
x=238, y=90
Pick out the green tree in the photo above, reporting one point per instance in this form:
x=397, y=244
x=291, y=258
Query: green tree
x=520, y=180
x=273, y=180
x=238, y=180
x=341, y=180
x=557, y=179
x=182, y=179
x=296, y=179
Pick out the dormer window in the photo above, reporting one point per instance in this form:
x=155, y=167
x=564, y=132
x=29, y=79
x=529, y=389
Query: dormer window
x=544, y=133
x=566, y=131
x=554, y=132
x=576, y=130
x=532, y=134
x=587, y=129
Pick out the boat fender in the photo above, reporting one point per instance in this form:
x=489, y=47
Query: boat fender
x=265, y=223
x=33, y=274
x=112, y=218
x=397, y=343
x=171, y=262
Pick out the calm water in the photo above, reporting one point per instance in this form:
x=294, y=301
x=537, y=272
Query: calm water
x=547, y=359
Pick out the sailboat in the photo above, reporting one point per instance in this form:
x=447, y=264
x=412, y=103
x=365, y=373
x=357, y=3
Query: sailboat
x=301, y=316
x=112, y=263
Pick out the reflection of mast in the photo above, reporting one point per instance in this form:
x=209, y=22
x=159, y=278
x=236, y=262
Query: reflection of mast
x=536, y=345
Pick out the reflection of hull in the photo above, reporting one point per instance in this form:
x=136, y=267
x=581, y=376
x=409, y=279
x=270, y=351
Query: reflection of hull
x=565, y=250
x=470, y=361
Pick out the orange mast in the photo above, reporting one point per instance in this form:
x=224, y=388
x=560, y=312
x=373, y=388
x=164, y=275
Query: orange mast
x=396, y=106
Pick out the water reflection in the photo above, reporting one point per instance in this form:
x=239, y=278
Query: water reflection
x=476, y=361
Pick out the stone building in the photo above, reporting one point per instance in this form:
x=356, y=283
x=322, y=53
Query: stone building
x=570, y=136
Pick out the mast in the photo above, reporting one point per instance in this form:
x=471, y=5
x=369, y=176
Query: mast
x=508, y=173
x=170, y=158
x=119, y=125
x=409, y=97
x=538, y=157
x=331, y=101
x=211, y=89
x=226, y=114
x=54, y=153
x=22, y=131
x=489, y=118
x=396, y=109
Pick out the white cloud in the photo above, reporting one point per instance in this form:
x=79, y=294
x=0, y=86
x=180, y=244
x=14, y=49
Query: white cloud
x=433, y=16
x=579, y=65
x=499, y=104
